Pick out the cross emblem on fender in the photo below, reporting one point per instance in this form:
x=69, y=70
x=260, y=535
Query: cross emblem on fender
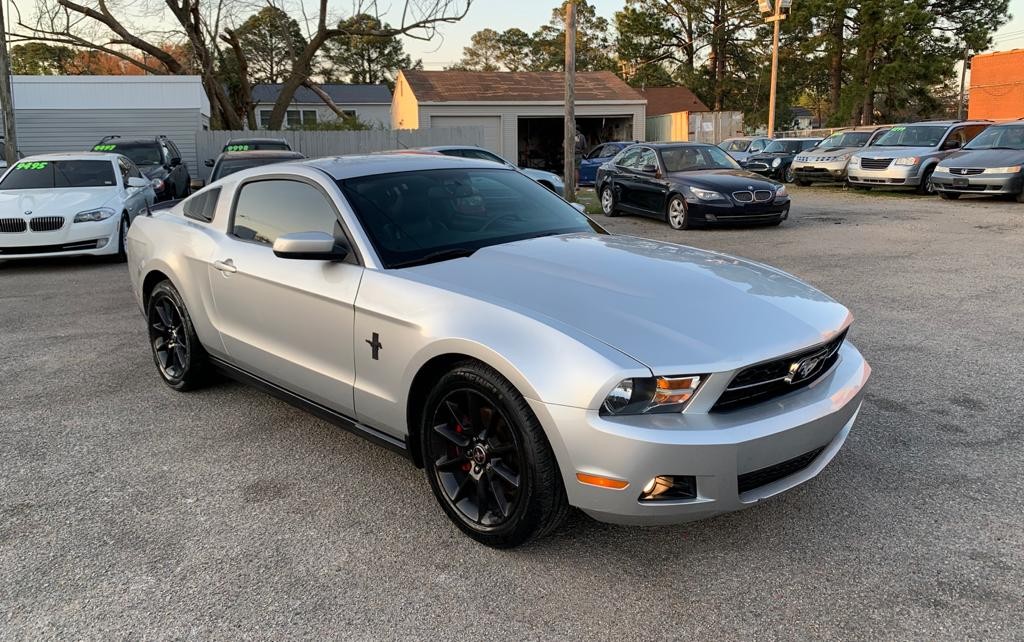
x=375, y=345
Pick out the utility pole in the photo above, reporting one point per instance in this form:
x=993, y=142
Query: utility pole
x=776, y=18
x=569, y=164
x=963, y=81
x=7, y=96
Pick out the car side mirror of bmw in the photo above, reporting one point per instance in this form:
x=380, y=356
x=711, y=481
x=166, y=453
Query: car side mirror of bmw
x=310, y=246
x=135, y=181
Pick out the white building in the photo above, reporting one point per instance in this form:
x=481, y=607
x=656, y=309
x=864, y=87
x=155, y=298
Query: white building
x=369, y=103
x=521, y=113
x=72, y=113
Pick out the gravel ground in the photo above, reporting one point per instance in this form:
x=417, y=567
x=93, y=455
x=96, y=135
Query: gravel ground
x=131, y=511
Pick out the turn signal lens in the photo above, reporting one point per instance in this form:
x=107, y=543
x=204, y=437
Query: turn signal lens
x=603, y=482
x=650, y=395
x=674, y=390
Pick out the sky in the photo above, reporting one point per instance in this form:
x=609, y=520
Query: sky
x=530, y=14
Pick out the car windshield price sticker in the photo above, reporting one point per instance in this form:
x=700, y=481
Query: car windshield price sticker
x=104, y=148
x=898, y=129
x=31, y=165
x=237, y=148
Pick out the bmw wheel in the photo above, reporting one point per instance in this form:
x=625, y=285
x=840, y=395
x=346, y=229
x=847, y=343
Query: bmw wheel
x=487, y=459
x=678, y=217
x=608, y=201
x=122, y=240
x=179, y=357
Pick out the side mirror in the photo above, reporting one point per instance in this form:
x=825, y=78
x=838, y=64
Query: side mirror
x=175, y=162
x=208, y=162
x=135, y=181
x=649, y=169
x=197, y=183
x=952, y=143
x=581, y=207
x=310, y=246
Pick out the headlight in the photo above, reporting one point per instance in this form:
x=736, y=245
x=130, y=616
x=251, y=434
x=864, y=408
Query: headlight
x=706, y=194
x=855, y=161
x=650, y=395
x=941, y=168
x=842, y=157
x=907, y=160
x=776, y=162
x=781, y=191
x=1013, y=169
x=99, y=214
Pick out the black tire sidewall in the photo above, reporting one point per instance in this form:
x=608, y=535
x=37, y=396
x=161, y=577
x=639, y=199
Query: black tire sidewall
x=541, y=484
x=195, y=371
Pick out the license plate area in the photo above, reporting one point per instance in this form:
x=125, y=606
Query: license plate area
x=961, y=182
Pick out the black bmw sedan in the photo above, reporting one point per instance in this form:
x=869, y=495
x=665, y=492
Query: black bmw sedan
x=688, y=184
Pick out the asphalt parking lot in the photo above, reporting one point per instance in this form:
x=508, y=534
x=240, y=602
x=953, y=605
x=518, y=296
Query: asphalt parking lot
x=130, y=511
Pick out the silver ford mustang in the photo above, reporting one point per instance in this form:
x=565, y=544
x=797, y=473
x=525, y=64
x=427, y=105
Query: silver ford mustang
x=460, y=313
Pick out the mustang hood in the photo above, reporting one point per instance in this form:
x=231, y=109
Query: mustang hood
x=55, y=202
x=677, y=310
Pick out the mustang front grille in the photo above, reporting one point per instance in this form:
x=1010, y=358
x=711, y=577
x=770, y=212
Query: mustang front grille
x=46, y=223
x=12, y=225
x=764, y=476
x=770, y=379
x=875, y=163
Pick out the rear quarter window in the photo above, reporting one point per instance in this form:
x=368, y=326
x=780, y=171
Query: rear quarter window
x=202, y=206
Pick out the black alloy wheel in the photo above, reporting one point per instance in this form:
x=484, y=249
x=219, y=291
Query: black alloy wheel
x=487, y=460
x=179, y=357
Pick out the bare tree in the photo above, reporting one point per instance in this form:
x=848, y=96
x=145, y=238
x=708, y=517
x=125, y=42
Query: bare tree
x=197, y=24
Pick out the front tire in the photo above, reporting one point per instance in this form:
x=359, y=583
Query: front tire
x=789, y=174
x=677, y=214
x=926, y=186
x=179, y=356
x=487, y=459
x=608, y=201
x=122, y=240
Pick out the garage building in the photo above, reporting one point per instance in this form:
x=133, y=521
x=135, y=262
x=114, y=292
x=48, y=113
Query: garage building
x=72, y=113
x=521, y=113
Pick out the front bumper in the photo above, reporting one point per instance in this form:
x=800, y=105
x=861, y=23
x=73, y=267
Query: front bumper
x=820, y=172
x=892, y=176
x=764, y=169
x=990, y=184
x=73, y=239
x=714, y=447
x=725, y=213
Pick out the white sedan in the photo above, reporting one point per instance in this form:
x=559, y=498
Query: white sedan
x=70, y=205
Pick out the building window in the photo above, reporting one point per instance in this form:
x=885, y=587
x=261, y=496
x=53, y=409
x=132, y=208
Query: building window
x=309, y=116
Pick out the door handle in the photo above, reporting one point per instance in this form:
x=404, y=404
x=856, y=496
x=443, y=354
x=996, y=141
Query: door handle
x=227, y=265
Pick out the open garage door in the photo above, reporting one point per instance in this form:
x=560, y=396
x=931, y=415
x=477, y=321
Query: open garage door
x=541, y=137
x=490, y=124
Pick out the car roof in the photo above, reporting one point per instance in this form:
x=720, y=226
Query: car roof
x=155, y=140
x=236, y=141
x=110, y=156
x=662, y=144
x=342, y=167
x=792, y=138
x=261, y=153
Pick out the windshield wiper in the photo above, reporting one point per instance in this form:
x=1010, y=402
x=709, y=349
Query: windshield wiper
x=434, y=257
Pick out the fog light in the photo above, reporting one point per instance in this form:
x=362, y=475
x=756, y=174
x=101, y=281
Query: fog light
x=669, y=487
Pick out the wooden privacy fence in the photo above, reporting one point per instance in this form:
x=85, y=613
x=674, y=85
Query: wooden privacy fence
x=316, y=144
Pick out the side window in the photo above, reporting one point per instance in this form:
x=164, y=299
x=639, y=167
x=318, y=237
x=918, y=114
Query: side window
x=122, y=166
x=647, y=157
x=175, y=152
x=954, y=137
x=756, y=146
x=629, y=157
x=599, y=151
x=971, y=131
x=133, y=169
x=265, y=210
x=202, y=206
x=482, y=155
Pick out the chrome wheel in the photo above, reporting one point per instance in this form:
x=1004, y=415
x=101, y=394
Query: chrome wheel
x=677, y=214
x=607, y=201
x=475, y=458
x=169, y=339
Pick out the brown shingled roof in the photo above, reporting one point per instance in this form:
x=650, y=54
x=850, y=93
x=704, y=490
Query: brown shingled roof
x=502, y=86
x=668, y=100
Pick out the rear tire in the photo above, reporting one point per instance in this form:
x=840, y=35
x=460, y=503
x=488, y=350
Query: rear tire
x=607, y=197
x=676, y=213
x=948, y=196
x=487, y=459
x=180, y=358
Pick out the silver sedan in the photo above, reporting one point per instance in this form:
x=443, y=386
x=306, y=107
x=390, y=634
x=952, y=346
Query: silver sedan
x=461, y=314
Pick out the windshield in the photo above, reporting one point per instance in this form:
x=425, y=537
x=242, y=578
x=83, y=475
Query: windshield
x=846, y=139
x=999, y=137
x=256, y=145
x=60, y=174
x=695, y=157
x=787, y=146
x=737, y=145
x=228, y=167
x=912, y=136
x=412, y=216
x=140, y=153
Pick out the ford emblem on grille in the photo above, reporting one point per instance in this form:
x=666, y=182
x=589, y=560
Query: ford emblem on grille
x=800, y=370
